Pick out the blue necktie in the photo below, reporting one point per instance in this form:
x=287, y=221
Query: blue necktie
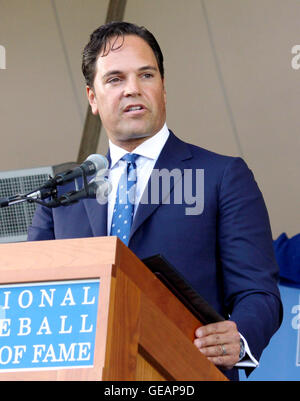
x=124, y=206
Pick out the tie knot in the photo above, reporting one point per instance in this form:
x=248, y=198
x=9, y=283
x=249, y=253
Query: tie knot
x=130, y=158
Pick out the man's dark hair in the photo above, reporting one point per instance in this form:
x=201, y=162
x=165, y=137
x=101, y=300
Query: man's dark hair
x=100, y=42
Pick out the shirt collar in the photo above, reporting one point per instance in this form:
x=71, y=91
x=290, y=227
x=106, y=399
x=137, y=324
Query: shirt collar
x=150, y=148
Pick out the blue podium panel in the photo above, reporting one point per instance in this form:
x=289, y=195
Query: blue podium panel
x=281, y=359
x=48, y=325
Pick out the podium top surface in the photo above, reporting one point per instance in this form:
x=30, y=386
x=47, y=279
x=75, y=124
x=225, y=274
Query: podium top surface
x=16, y=259
x=58, y=250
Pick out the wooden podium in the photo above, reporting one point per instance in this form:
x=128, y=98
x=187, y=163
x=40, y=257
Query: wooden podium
x=143, y=332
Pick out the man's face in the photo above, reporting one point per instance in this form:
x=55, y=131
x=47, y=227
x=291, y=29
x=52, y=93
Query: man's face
x=128, y=92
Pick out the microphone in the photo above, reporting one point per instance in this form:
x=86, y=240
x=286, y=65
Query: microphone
x=99, y=188
x=93, y=164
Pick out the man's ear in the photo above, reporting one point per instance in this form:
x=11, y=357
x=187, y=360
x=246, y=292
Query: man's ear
x=92, y=100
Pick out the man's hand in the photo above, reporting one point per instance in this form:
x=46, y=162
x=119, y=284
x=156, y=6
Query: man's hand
x=219, y=342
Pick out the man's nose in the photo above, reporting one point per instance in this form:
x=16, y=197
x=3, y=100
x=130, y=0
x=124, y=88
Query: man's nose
x=132, y=87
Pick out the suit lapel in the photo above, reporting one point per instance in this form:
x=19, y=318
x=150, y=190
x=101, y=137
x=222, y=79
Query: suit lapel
x=97, y=213
x=172, y=156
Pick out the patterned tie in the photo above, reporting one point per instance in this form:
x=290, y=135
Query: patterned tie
x=124, y=206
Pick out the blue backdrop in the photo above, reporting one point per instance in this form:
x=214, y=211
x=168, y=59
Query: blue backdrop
x=281, y=359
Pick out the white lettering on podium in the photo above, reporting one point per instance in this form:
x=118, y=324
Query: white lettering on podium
x=75, y=352
x=25, y=323
x=46, y=298
x=62, y=327
x=45, y=295
x=11, y=354
x=28, y=294
x=68, y=298
x=85, y=297
x=4, y=327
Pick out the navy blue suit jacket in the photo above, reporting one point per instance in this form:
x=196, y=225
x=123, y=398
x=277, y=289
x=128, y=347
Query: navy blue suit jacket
x=226, y=252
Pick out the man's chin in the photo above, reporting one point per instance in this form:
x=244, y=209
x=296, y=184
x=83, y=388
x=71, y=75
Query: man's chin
x=132, y=136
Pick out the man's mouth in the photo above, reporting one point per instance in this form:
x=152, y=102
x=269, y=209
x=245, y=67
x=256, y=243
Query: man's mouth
x=134, y=108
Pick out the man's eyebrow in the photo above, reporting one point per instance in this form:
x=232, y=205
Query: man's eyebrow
x=117, y=72
x=148, y=67
x=113, y=72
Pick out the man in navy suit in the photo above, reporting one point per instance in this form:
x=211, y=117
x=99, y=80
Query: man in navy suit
x=212, y=225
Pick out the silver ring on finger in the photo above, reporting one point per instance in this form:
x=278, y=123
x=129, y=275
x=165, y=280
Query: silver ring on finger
x=223, y=349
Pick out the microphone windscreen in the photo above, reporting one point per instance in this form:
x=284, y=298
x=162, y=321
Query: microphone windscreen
x=99, y=161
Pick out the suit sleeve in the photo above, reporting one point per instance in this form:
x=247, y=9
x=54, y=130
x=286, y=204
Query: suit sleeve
x=248, y=264
x=42, y=227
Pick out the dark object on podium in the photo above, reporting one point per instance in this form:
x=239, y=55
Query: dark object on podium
x=174, y=281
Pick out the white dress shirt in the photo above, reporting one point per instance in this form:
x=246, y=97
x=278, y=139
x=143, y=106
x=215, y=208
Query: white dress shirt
x=149, y=152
